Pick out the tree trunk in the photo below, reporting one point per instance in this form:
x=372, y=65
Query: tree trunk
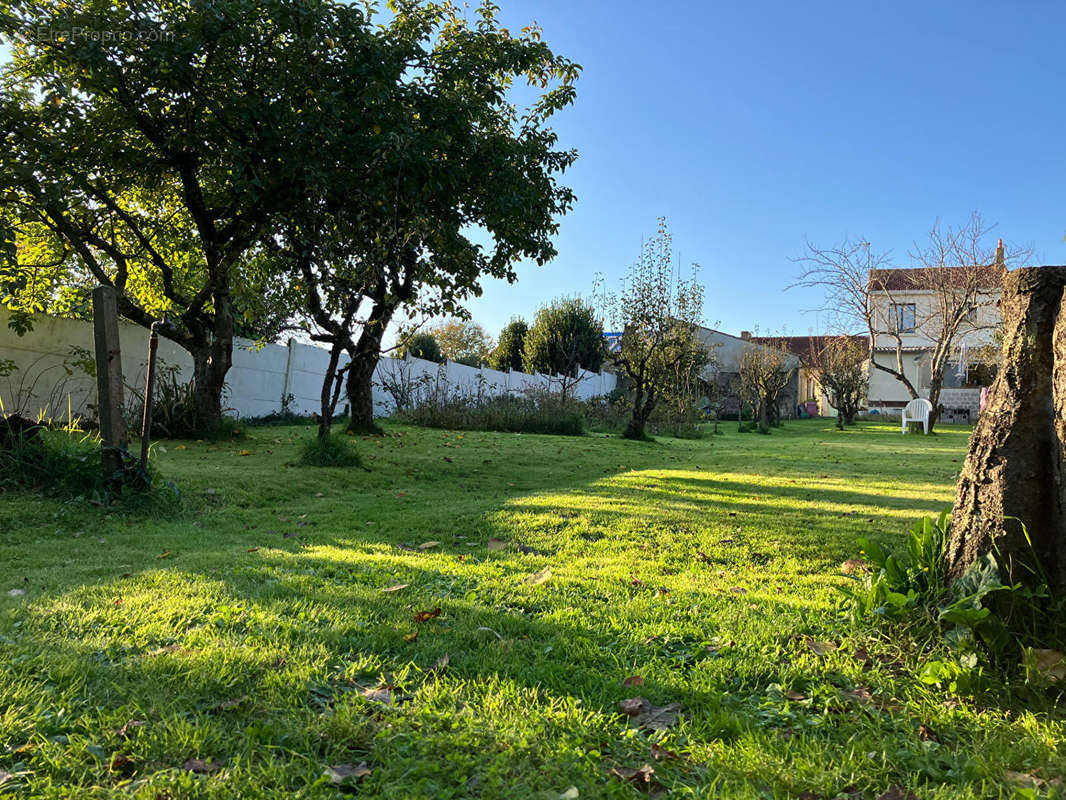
x=328, y=398
x=365, y=357
x=211, y=363
x=1015, y=467
x=936, y=381
x=643, y=405
x=764, y=416
x=208, y=398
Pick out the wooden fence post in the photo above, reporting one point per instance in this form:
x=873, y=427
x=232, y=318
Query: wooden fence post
x=109, y=379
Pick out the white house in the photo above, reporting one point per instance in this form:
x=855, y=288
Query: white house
x=908, y=310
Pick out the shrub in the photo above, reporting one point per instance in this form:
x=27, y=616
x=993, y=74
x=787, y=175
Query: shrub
x=531, y=412
x=174, y=411
x=565, y=336
x=66, y=463
x=329, y=451
x=508, y=352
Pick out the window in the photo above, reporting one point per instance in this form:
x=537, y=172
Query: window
x=903, y=317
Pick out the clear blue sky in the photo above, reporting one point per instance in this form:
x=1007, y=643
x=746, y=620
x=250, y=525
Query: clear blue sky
x=752, y=126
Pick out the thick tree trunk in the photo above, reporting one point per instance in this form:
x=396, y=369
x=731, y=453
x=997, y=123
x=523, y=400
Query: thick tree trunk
x=764, y=416
x=643, y=405
x=1015, y=467
x=365, y=357
x=211, y=363
x=328, y=398
x=935, y=384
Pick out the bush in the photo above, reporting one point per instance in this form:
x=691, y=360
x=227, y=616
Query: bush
x=66, y=463
x=532, y=412
x=329, y=451
x=174, y=412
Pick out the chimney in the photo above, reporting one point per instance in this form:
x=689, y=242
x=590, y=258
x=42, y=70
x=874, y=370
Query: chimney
x=1001, y=256
x=745, y=335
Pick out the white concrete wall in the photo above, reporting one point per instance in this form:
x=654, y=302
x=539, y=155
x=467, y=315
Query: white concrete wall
x=257, y=383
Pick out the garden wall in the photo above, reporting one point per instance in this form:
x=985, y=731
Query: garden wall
x=47, y=377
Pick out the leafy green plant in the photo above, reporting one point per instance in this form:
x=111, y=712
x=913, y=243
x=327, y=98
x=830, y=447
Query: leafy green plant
x=329, y=451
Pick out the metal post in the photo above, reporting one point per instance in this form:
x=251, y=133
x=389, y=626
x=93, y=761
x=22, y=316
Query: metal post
x=149, y=387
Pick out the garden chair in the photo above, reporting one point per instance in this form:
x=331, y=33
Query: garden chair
x=917, y=410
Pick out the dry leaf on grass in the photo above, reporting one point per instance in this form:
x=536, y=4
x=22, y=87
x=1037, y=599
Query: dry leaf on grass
x=633, y=680
x=423, y=616
x=120, y=763
x=537, y=578
x=229, y=705
x=5, y=777
x=497, y=544
x=818, y=648
x=897, y=793
x=792, y=694
x=662, y=754
x=854, y=566
x=396, y=588
x=428, y=545
x=652, y=717
x=348, y=774
x=128, y=728
x=639, y=778
x=201, y=767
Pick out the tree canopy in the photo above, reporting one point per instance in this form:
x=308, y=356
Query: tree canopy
x=565, y=337
x=509, y=347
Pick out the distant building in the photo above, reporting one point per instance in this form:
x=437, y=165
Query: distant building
x=909, y=299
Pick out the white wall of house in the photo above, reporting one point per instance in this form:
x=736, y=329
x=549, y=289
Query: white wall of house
x=260, y=379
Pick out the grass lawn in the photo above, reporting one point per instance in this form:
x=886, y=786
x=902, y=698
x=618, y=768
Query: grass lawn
x=257, y=631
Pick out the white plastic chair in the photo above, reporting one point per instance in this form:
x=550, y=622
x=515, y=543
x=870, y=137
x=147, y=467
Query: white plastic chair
x=917, y=410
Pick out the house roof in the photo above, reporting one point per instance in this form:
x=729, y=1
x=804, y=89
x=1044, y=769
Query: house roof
x=804, y=346
x=919, y=278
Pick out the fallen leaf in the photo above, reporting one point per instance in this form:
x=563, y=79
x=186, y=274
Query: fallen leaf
x=120, y=763
x=861, y=655
x=245, y=453
x=201, y=767
x=228, y=705
x=497, y=544
x=428, y=545
x=164, y=554
x=537, y=578
x=5, y=777
x=738, y=590
x=926, y=734
x=633, y=680
x=646, y=715
x=440, y=664
x=703, y=557
x=1049, y=664
x=422, y=616
x=253, y=549
x=818, y=648
x=637, y=777
x=897, y=793
x=128, y=727
x=792, y=694
x=570, y=793
x=396, y=587
x=411, y=637
x=662, y=754
x=16, y=593
x=854, y=566
x=348, y=774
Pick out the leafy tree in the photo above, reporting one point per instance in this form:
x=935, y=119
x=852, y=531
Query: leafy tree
x=839, y=366
x=421, y=345
x=156, y=159
x=456, y=156
x=462, y=341
x=509, y=348
x=658, y=315
x=565, y=337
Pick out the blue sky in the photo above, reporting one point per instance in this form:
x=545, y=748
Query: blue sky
x=754, y=126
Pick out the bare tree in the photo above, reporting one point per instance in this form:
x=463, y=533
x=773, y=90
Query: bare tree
x=764, y=370
x=839, y=365
x=930, y=304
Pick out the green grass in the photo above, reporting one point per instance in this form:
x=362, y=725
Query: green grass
x=248, y=629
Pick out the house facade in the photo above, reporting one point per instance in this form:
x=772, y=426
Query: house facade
x=908, y=308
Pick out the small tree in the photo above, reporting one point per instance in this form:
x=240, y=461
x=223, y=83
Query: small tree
x=462, y=341
x=509, y=348
x=565, y=337
x=658, y=315
x=839, y=366
x=764, y=370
